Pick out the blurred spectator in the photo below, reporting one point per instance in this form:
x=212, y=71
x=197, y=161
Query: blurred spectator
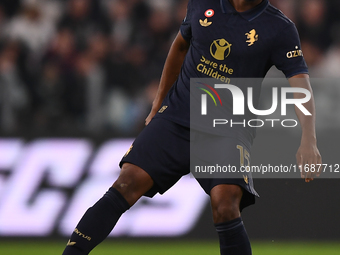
x=50, y=113
x=2, y=22
x=55, y=80
x=30, y=28
x=87, y=93
x=51, y=10
x=120, y=17
x=33, y=32
x=180, y=12
x=313, y=23
x=330, y=65
x=11, y=7
x=288, y=7
x=13, y=95
x=82, y=22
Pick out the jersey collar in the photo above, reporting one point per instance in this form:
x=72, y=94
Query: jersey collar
x=248, y=15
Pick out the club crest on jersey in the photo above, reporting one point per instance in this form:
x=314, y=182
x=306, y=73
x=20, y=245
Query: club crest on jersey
x=220, y=49
x=252, y=37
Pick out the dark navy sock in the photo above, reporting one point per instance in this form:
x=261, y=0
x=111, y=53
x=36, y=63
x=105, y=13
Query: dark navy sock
x=97, y=223
x=233, y=238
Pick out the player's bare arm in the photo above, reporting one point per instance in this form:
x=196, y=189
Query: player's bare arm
x=308, y=152
x=171, y=70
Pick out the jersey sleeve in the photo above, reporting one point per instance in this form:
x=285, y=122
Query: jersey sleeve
x=186, y=24
x=287, y=55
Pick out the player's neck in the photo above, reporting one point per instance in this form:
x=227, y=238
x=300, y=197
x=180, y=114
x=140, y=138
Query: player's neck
x=244, y=5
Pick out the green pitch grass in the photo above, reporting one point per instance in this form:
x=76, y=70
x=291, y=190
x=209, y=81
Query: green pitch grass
x=168, y=248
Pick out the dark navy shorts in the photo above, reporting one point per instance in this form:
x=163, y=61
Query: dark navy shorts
x=162, y=149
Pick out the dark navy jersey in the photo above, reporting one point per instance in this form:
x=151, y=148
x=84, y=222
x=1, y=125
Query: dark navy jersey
x=226, y=44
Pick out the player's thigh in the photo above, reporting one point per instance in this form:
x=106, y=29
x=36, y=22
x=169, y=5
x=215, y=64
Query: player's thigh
x=230, y=188
x=162, y=151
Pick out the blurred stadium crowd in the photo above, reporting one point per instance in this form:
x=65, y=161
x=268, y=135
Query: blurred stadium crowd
x=94, y=65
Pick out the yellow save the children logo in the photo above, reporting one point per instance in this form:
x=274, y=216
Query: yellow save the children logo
x=220, y=49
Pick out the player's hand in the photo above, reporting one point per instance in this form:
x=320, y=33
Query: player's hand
x=150, y=116
x=308, y=156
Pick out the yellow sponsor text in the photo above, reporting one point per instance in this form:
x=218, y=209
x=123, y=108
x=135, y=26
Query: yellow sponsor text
x=81, y=234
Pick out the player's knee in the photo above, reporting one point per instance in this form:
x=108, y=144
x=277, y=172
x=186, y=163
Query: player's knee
x=125, y=187
x=224, y=212
x=132, y=183
x=225, y=202
x=126, y=183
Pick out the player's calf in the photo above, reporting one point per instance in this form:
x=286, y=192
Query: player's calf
x=97, y=223
x=225, y=201
x=100, y=219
